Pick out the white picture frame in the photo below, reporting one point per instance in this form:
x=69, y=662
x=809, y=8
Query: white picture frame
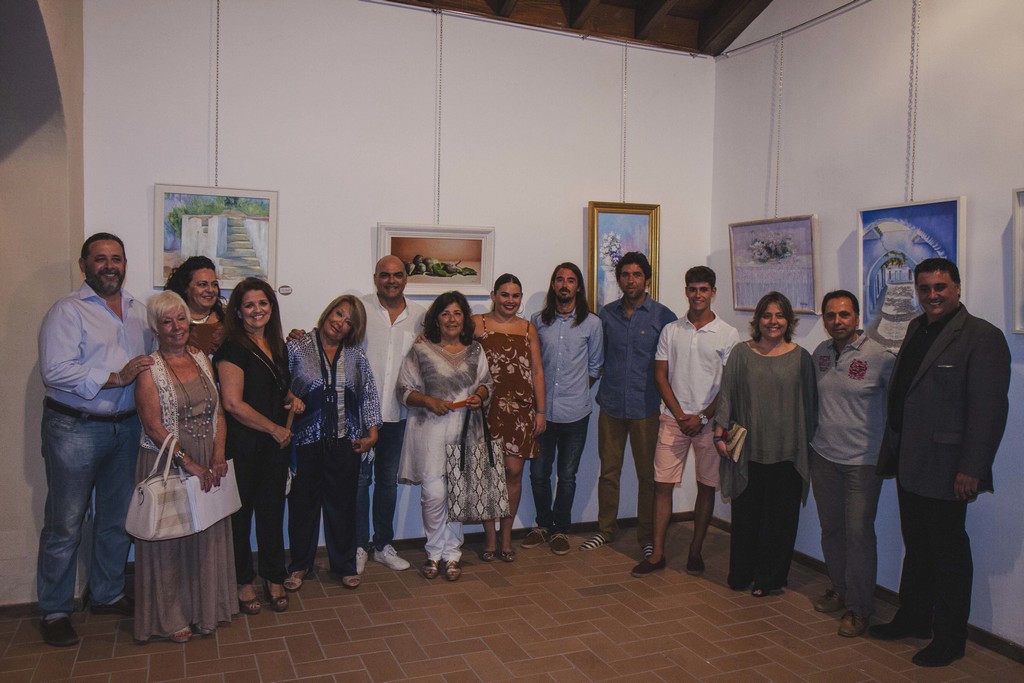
x=462, y=247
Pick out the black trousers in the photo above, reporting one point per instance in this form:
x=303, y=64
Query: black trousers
x=327, y=479
x=764, y=523
x=938, y=570
x=261, y=480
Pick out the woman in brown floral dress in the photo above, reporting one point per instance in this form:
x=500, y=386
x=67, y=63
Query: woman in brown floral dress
x=516, y=412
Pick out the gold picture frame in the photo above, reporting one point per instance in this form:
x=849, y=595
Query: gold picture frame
x=613, y=229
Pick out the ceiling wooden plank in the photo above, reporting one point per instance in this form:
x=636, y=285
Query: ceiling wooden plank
x=726, y=23
x=578, y=12
x=649, y=13
x=503, y=8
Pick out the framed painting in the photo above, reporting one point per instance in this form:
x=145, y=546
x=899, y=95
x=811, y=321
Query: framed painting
x=440, y=258
x=614, y=229
x=1018, y=261
x=893, y=240
x=236, y=229
x=775, y=254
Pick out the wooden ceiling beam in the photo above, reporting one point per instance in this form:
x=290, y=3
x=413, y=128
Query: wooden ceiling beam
x=503, y=8
x=726, y=23
x=578, y=12
x=649, y=13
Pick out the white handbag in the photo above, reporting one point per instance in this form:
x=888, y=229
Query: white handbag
x=166, y=505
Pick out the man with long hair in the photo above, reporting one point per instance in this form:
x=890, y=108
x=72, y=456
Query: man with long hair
x=572, y=349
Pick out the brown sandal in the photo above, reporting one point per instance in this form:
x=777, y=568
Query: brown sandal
x=507, y=555
x=251, y=606
x=278, y=603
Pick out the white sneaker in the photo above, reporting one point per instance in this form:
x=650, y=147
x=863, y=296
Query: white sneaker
x=360, y=560
x=388, y=557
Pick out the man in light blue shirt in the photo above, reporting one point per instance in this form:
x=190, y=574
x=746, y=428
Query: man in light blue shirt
x=92, y=346
x=572, y=350
x=629, y=399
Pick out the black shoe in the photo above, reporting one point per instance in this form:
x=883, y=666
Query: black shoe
x=937, y=655
x=59, y=632
x=896, y=630
x=124, y=607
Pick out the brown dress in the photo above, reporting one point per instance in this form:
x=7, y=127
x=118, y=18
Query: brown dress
x=188, y=580
x=511, y=412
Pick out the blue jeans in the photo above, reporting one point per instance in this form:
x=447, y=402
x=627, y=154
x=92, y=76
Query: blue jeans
x=384, y=468
x=564, y=440
x=81, y=455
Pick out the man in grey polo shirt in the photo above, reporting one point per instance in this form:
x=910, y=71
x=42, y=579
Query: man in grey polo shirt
x=853, y=381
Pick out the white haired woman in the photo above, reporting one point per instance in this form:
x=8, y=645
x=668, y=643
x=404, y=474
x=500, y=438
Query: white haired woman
x=184, y=585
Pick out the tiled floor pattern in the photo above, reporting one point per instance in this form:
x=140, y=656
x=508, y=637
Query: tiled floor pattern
x=573, y=618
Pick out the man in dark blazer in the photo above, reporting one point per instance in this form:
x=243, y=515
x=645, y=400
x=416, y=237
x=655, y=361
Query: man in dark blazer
x=946, y=415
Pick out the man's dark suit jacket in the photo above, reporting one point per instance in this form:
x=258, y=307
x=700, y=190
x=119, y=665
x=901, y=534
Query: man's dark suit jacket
x=955, y=409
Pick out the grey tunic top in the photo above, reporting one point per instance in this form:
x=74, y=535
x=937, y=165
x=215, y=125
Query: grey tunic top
x=776, y=399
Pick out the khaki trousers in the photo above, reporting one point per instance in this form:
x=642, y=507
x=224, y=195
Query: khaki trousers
x=612, y=433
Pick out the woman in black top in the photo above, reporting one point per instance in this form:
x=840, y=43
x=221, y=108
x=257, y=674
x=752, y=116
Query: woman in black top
x=252, y=366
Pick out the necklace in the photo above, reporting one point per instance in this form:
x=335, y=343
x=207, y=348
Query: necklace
x=195, y=424
x=200, y=321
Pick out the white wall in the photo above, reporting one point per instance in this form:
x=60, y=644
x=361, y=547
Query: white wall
x=843, y=148
x=332, y=104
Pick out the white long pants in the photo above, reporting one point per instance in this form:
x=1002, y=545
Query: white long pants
x=444, y=538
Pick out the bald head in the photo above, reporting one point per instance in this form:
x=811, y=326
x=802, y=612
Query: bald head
x=389, y=277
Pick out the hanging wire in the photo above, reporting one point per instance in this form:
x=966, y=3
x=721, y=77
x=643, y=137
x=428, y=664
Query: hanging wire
x=437, y=118
x=780, y=52
x=625, y=98
x=915, y=58
x=216, y=108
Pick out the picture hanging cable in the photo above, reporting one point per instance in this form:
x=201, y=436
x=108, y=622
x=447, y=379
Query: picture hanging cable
x=780, y=51
x=437, y=117
x=625, y=94
x=915, y=58
x=216, y=107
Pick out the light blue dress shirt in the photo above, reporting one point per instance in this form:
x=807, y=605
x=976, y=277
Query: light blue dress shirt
x=82, y=341
x=571, y=355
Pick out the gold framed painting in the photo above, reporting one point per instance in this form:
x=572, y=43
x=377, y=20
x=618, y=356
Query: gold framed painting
x=614, y=229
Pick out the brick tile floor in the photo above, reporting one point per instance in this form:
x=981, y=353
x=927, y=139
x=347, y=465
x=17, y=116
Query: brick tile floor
x=579, y=617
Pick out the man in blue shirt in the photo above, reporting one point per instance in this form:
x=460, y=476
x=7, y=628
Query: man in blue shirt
x=572, y=350
x=629, y=399
x=92, y=345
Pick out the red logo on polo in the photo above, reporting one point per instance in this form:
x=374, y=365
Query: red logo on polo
x=858, y=369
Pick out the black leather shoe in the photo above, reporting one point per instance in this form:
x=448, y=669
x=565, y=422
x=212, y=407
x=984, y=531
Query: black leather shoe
x=124, y=607
x=896, y=630
x=59, y=632
x=937, y=655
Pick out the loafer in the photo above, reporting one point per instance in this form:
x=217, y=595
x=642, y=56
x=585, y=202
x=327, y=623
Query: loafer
x=124, y=607
x=897, y=629
x=646, y=568
x=694, y=566
x=937, y=655
x=59, y=632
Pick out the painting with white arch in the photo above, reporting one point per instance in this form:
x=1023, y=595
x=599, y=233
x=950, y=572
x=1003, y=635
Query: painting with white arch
x=894, y=239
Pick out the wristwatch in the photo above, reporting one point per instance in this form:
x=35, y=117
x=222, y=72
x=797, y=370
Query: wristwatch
x=703, y=419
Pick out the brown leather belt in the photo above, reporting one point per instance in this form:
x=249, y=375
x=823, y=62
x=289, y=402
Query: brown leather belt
x=75, y=412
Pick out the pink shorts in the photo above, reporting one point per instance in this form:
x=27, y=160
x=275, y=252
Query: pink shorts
x=673, y=448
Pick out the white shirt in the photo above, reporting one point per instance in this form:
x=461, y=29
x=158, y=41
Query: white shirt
x=696, y=359
x=386, y=346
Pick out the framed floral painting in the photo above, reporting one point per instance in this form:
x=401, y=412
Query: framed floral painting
x=613, y=230
x=775, y=254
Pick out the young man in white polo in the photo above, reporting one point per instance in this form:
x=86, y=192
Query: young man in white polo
x=691, y=355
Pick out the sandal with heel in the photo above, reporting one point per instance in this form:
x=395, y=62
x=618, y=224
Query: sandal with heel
x=251, y=606
x=278, y=603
